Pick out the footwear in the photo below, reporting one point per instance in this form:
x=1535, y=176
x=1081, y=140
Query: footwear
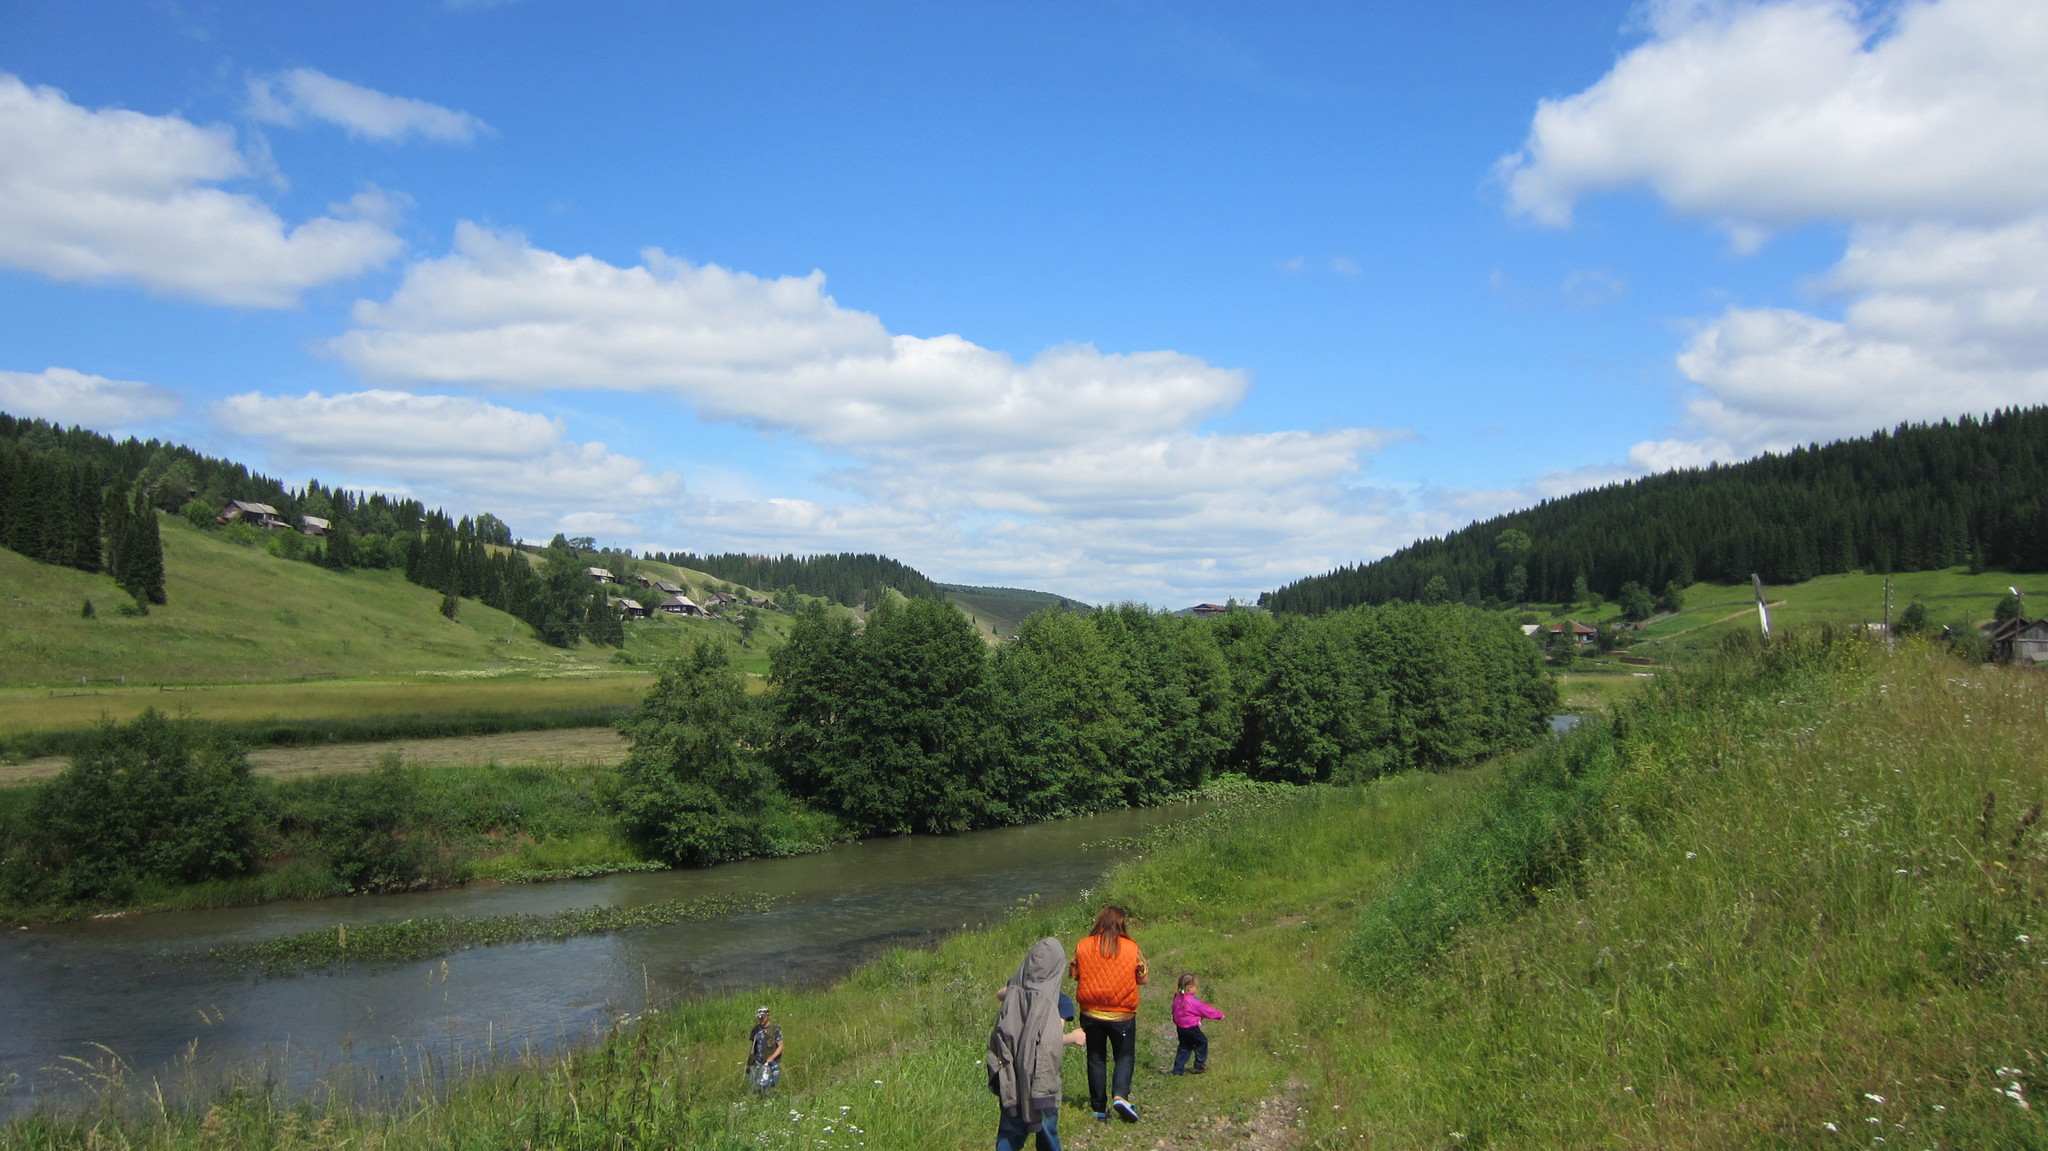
x=1200, y=1071
x=1124, y=1110
x=1102, y=1115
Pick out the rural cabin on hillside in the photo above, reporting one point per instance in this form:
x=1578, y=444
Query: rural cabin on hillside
x=314, y=526
x=629, y=609
x=679, y=604
x=600, y=575
x=1581, y=634
x=256, y=515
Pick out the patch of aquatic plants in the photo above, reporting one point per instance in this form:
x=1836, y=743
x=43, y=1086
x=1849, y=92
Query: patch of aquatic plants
x=586, y=871
x=425, y=938
x=1231, y=798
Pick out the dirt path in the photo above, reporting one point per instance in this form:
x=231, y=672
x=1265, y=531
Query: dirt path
x=1190, y=1122
x=570, y=745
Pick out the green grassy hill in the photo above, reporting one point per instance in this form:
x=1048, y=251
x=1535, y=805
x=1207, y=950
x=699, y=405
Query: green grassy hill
x=998, y=610
x=240, y=614
x=1714, y=611
x=270, y=637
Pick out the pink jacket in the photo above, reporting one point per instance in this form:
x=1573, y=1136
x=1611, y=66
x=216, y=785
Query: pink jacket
x=1189, y=1011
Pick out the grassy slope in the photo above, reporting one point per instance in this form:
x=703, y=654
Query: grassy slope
x=1807, y=922
x=998, y=611
x=321, y=644
x=238, y=614
x=1951, y=595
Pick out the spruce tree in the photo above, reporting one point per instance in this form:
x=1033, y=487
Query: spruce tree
x=142, y=554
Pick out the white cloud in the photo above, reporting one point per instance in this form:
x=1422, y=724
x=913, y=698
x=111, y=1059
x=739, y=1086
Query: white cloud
x=463, y=452
x=1077, y=464
x=64, y=396
x=290, y=98
x=1774, y=113
x=1917, y=124
x=115, y=195
x=776, y=353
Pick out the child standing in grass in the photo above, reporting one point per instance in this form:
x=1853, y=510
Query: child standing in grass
x=764, y=1053
x=1188, y=1013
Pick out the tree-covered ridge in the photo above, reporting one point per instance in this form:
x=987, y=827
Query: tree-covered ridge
x=856, y=579
x=1919, y=497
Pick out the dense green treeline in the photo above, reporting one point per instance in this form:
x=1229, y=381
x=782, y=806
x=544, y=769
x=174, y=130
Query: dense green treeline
x=856, y=579
x=1920, y=497
x=911, y=723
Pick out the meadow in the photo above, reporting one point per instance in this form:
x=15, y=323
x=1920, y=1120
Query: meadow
x=1783, y=901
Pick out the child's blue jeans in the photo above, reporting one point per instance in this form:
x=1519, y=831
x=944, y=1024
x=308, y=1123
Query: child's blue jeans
x=1011, y=1136
x=1192, y=1041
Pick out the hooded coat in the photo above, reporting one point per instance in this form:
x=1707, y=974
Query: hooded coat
x=1024, y=1049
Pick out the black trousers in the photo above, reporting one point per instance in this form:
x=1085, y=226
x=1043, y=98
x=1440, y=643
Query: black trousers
x=1192, y=1042
x=1106, y=1037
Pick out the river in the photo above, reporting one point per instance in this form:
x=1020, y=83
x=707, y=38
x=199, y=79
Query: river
x=75, y=996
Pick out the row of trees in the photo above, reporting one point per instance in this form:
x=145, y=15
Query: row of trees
x=910, y=723
x=1920, y=497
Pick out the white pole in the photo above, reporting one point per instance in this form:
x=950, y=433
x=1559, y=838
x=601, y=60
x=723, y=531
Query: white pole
x=1763, y=614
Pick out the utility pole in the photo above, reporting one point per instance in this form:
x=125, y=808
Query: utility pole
x=1887, y=609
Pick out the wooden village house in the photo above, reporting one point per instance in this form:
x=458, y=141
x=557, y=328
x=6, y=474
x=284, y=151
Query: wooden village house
x=679, y=604
x=2020, y=641
x=255, y=515
x=629, y=609
x=314, y=526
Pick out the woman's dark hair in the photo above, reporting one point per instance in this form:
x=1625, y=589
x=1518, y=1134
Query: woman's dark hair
x=1109, y=927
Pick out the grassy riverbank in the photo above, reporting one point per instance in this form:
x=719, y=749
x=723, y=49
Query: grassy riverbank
x=1789, y=902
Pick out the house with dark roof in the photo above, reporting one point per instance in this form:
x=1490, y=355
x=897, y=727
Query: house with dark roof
x=679, y=604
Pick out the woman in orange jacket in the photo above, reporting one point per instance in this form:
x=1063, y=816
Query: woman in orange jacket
x=1108, y=969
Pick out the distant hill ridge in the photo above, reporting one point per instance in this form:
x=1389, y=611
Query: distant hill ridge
x=1917, y=498
x=1010, y=593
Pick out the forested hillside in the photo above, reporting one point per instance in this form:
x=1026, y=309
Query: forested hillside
x=1920, y=497
x=855, y=579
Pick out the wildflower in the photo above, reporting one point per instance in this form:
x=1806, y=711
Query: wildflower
x=1692, y=855
x=1939, y=1107
x=1873, y=1098
x=878, y=1083
x=1832, y=1127
x=2024, y=938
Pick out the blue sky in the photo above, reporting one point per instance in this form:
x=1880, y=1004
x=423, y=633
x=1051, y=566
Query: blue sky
x=1169, y=302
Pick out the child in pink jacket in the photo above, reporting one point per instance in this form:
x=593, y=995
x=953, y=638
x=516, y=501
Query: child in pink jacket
x=1188, y=1013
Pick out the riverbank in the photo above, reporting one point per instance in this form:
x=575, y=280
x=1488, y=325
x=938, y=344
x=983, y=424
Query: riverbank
x=1792, y=901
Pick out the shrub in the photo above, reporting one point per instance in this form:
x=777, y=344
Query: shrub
x=153, y=799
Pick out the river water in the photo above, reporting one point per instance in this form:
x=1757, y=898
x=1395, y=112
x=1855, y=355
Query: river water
x=76, y=996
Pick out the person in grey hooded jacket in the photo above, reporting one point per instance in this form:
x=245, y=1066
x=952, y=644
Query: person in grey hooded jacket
x=1024, y=1051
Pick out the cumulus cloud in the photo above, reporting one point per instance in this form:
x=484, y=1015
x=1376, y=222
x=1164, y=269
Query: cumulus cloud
x=116, y=195
x=1775, y=113
x=293, y=97
x=777, y=353
x=64, y=396
x=1074, y=464
x=1916, y=124
x=458, y=450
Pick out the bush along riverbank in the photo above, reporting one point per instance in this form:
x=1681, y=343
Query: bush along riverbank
x=1791, y=900
x=909, y=724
